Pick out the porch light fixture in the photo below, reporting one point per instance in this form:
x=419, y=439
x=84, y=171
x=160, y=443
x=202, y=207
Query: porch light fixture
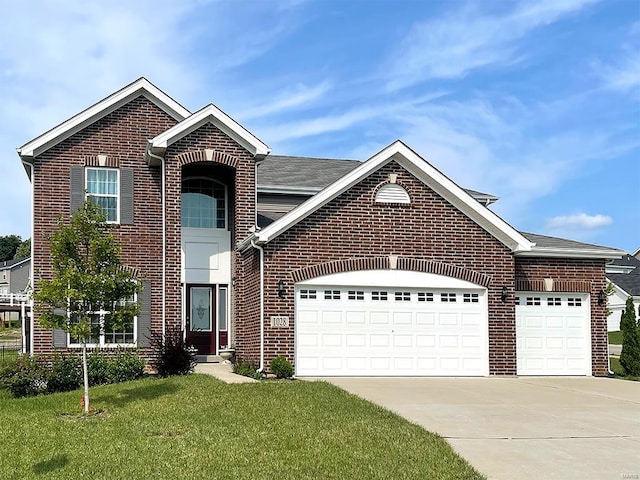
x=281, y=289
x=602, y=298
x=504, y=294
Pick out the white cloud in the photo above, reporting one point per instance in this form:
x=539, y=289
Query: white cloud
x=296, y=97
x=579, y=220
x=464, y=40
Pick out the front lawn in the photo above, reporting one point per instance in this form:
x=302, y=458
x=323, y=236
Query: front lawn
x=198, y=427
x=615, y=338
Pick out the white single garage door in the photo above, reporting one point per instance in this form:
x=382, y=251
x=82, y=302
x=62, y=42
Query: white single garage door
x=553, y=333
x=415, y=324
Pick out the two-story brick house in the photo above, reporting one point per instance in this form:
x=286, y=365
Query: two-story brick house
x=382, y=267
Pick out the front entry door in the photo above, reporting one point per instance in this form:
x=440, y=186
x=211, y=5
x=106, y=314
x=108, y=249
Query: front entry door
x=201, y=318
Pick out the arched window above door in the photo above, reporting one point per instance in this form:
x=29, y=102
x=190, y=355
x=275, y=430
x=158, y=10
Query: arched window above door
x=204, y=203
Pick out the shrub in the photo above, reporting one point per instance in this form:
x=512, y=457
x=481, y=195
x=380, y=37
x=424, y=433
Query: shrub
x=174, y=356
x=124, y=366
x=281, y=367
x=97, y=368
x=246, y=368
x=24, y=377
x=630, y=356
x=65, y=374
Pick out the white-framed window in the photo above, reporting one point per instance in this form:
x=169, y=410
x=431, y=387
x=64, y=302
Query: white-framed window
x=471, y=298
x=204, y=203
x=403, y=296
x=332, y=294
x=378, y=295
x=533, y=301
x=448, y=297
x=554, y=301
x=102, y=186
x=425, y=296
x=574, y=302
x=308, y=294
x=101, y=337
x=355, y=294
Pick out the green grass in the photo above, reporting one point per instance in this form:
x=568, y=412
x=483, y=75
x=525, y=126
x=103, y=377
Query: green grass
x=619, y=371
x=198, y=427
x=615, y=338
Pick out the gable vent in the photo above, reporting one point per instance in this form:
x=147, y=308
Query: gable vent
x=392, y=193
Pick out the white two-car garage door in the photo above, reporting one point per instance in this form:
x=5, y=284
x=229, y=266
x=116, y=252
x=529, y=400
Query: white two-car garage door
x=553, y=333
x=405, y=324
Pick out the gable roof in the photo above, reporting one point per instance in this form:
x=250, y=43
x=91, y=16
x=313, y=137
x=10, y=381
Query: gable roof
x=425, y=172
x=627, y=279
x=545, y=246
x=309, y=175
x=9, y=264
x=57, y=134
x=208, y=114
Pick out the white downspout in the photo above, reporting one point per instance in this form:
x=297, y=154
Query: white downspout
x=31, y=268
x=164, y=241
x=258, y=247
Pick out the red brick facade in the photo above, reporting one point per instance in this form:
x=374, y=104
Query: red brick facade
x=351, y=232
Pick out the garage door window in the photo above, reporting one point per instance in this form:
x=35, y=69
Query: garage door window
x=403, y=296
x=332, y=294
x=379, y=295
x=574, y=302
x=554, y=302
x=470, y=298
x=356, y=295
x=448, y=297
x=533, y=301
x=425, y=297
x=308, y=294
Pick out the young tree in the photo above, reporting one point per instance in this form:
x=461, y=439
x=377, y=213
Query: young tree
x=630, y=356
x=89, y=289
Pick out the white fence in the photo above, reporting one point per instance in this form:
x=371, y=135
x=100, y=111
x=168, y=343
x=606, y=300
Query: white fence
x=13, y=298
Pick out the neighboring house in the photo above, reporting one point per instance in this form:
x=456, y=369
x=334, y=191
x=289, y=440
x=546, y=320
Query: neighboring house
x=624, y=274
x=382, y=267
x=14, y=279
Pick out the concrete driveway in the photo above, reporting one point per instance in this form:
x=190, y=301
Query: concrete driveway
x=521, y=428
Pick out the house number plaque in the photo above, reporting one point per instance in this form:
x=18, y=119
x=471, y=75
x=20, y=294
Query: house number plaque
x=279, y=321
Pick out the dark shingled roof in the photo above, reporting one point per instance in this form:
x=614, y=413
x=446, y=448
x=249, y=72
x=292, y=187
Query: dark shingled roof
x=544, y=241
x=282, y=171
x=302, y=172
x=629, y=282
x=10, y=263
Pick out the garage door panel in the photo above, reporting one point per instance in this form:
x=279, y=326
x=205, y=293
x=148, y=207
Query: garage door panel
x=409, y=332
x=357, y=318
x=423, y=318
x=331, y=318
x=553, y=337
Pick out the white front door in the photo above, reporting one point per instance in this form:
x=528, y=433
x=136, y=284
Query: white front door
x=553, y=333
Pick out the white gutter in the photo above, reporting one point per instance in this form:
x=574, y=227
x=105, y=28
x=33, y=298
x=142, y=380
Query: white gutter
x=164, y=241
x=571, y=253
x=258, y=247
x=31, y=268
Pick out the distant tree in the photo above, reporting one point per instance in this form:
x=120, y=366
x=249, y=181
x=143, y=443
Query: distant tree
x=24, y=250
x=8, y=246
x=630, y=356
x=88, y=290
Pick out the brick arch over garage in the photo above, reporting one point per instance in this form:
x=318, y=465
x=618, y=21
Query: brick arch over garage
x=207, y=155
x=385, y=263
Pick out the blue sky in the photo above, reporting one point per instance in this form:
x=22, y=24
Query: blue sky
x=537, y=102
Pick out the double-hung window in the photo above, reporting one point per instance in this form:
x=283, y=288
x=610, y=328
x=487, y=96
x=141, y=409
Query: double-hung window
x=103, y=334
x=102, y=187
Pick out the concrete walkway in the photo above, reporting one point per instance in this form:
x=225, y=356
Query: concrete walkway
x=523, y=428
x=222, y=371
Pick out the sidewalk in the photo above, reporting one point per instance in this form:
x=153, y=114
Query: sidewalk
x=222, y=371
